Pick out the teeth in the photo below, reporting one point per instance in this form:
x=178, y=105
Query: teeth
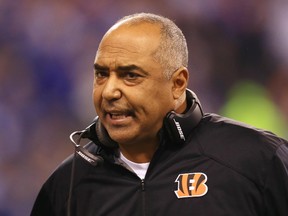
x=117, y=116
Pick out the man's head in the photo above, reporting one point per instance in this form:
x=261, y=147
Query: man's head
x=140, y=75
x=172, y=52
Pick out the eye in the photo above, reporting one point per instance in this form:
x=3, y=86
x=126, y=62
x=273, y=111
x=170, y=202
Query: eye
x=101, y=74
x=131, y=75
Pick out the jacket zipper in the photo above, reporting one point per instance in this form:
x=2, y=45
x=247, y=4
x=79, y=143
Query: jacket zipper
x=143, y=197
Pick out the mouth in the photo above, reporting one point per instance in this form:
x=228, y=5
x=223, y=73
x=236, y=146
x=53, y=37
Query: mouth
x=118, y=117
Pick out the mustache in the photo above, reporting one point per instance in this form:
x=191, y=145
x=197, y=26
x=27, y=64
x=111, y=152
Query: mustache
x=117, y=108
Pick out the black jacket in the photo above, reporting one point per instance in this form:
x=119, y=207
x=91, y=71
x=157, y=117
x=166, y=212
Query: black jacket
x=223, y=168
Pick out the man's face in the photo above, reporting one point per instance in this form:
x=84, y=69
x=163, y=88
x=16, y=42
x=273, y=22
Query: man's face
x=131, y=95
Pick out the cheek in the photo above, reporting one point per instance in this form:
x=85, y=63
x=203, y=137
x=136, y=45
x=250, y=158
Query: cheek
x=156, y=107
x=96, y=96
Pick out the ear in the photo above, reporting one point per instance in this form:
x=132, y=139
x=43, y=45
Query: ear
x=180, y=82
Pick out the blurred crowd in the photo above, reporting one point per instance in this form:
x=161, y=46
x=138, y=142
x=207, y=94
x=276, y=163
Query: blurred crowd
x=238, y=67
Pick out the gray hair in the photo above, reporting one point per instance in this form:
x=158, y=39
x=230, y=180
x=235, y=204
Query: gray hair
x=172, y=52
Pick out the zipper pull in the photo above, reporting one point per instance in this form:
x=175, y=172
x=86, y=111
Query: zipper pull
x=142, y=185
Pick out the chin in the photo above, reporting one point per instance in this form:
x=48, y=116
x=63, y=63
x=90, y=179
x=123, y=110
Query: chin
x=122, y=138
x=124, y=141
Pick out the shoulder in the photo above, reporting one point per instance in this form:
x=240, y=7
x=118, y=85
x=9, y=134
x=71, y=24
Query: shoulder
x=59, y=180
x=241, y=147
x=62, y=174
x=231, y=133
x=54, y=193
x=51, y=198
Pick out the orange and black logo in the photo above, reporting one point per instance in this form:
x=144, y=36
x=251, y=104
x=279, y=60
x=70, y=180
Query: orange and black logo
x=191, y=185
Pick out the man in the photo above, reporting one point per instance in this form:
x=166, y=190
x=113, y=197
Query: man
x=151, y=151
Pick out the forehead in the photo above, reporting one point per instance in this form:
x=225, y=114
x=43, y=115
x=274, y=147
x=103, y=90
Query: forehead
x=129, y=43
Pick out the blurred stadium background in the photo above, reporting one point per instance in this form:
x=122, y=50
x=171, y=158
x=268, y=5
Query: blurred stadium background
x=238, y=65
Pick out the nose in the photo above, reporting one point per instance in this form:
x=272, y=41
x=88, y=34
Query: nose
x=111, y=90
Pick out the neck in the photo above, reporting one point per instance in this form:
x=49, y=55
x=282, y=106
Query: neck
x=182, y=107
x=139, y=153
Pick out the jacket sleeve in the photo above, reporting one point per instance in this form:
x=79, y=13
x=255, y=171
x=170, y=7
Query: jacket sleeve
x=276, y=186
x=42, y=205
x=53, y=196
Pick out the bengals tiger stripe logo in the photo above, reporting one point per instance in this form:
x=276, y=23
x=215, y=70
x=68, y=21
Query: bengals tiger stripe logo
x=191, y=185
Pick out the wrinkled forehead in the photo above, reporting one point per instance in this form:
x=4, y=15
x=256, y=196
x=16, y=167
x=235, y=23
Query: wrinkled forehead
x=142, y=39
x=129, y=45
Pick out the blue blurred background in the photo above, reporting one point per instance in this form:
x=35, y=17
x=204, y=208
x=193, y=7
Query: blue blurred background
x=238, y=65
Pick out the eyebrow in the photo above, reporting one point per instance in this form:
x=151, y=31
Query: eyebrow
x=131, y=68
x=121, y=68
x=100, y=68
